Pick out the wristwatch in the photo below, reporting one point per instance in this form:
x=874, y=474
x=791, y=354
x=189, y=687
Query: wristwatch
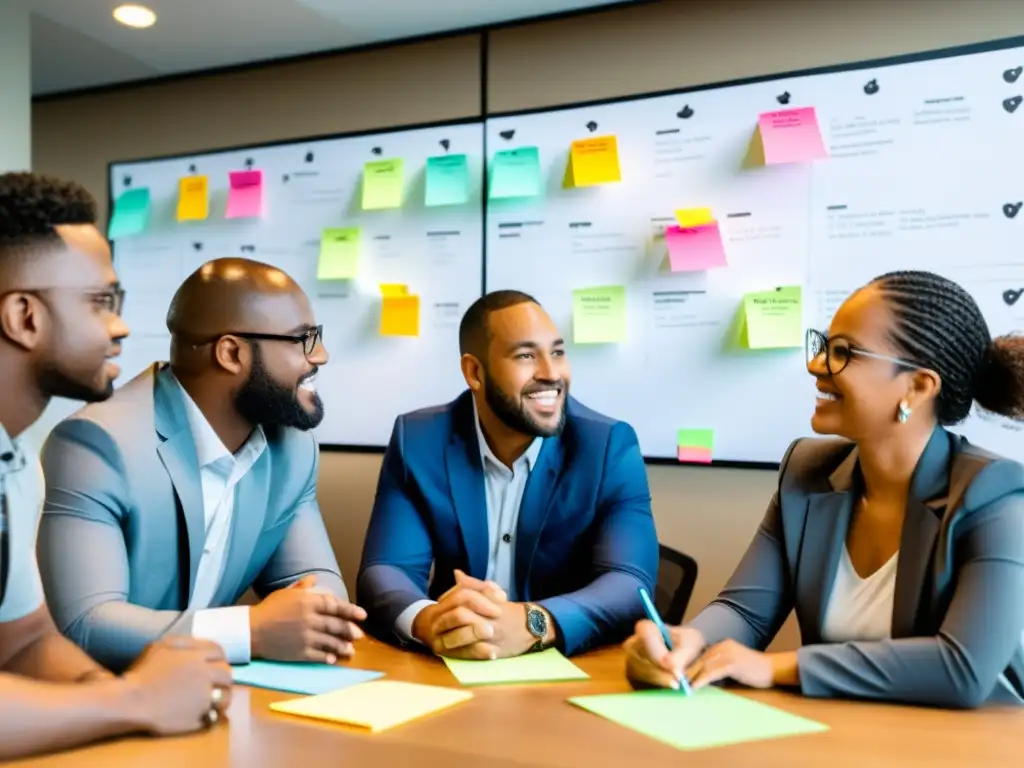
x=537, y=625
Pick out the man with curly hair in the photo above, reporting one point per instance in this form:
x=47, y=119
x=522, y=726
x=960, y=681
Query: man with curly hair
x=60, y=325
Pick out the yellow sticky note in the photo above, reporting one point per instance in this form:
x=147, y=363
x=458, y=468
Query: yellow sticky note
x=383, y=184
x=377, y=705
x=772, y=319
x=193, y=198
x=546, y=666
x=339, y=254
x=593, y=161
x=599, y=315
x=400, y=311
x=694, y=217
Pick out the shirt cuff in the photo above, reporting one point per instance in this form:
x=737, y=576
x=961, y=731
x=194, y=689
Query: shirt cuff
x=404, y=622
x=228, y=627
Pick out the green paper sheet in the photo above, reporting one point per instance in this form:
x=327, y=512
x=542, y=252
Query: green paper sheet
x=516, y=173
x=339, y=254
x=131, y=214
x=772, y=319
x=383, y=184
x=711, y=717
x=599, y=315
x=546, y=666
x=447, y=180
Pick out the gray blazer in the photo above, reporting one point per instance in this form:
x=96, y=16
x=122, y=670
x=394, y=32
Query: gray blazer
x=123, y=527
x=958, y=612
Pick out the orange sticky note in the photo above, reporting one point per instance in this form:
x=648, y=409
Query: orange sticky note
x=593, y=161
x=193, y=198
x=692, y=249
x=400, y=311
x=788, y=136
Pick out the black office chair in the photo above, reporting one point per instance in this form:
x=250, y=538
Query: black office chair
x=677, y=575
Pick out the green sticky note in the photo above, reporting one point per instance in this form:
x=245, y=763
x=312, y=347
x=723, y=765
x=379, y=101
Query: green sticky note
x=546, y=666
x=599, y=315
x=516, y=173
x=131, y=214
x=772, y=319
x=695, y=445
x=339, y=254
x=711, y=717
x=447, y=180
x=383, y=184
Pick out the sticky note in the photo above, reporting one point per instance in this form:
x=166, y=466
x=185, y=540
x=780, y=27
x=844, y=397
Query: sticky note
x=694, y=217
x=695, y=445
x=546, y=666
x=383, y=184
x=245, y=195
x=193, y=198
x=599, y=315
x=692, y=249
x=787, y=136
x=298, y=677
x=711, y=717
x=593, y=161
x=339, y=254
x=516, y=173
x=447, y=181
x=400, y=312
x=772, y=319
x=131, y=214
x=377, y=705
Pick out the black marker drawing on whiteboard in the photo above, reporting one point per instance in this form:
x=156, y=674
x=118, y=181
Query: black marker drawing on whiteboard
x=1011, y=104
x=591, y=126
x=127, y=180
x=783, y=98
x=377, y=151
x=685, y=113
x=1010, y=297
x=871, y=87
x=1011, y=75
x=507, y=135
x=445, y=144
x=1010, y=210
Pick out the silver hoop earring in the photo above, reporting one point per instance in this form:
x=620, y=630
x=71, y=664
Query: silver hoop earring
x=903, y=412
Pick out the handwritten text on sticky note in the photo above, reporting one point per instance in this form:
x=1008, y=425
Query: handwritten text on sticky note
x=593, y=161
x=339, y=254
x=447, y=181
x=791, y=136
x=692, y=249
x=383, y=184
x=772, y=319
x=516, y=173
x=599, y=315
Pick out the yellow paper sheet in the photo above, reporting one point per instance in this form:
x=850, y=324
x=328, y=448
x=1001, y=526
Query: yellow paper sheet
x=400, y=311
x=339, y=254
x=377, y=705
x=193, y=198
x=599, y=315
x=772, y=319
x=546, y=666
x=383, y=184
x=694, y=217
x=593, y=161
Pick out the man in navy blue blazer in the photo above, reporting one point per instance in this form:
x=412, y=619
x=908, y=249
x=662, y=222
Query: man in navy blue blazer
x=533, y=510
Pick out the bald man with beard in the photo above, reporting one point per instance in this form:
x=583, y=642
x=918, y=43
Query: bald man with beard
x=196, y=481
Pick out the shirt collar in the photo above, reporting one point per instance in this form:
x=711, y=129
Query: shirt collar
x=209, y=447
x=486, y=454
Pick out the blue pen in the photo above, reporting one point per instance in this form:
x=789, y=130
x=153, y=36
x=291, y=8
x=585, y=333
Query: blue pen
x=652, y=614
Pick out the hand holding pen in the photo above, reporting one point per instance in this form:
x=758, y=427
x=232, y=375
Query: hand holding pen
x=658, y=655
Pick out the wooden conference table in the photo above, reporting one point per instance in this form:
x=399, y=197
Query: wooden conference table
x=532, y=725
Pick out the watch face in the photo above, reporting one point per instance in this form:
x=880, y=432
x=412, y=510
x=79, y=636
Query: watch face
x=537, y=623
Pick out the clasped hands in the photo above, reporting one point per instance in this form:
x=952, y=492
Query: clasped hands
x=650, y=663
x=474, y=620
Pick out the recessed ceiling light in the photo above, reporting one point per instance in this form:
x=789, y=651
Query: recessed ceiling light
x=137, y=16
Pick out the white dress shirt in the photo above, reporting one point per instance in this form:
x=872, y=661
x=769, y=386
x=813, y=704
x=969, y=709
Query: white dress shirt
x=21, y=480
x=859, y=608
x=503, y=490
x=219, y=472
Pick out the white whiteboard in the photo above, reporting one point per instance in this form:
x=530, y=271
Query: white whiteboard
x=435, y=251
x=918, y=176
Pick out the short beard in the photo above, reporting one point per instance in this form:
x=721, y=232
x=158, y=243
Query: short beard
x=265, y=402
x=512, y=413
x=53, y=383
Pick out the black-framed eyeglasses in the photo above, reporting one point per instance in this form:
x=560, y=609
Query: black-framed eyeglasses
x=110, y=298
x=309, y=338
x=838, y=352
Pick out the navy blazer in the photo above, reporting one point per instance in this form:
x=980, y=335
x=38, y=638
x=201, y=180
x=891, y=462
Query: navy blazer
x=585, y=541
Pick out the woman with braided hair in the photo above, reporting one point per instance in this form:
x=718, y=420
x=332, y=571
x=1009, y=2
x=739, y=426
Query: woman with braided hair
x=898, y=543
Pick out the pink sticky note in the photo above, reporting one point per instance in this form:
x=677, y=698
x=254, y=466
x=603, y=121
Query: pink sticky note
x=245, y=199
x=691, y=249
x=694, y=455
x=791, y=136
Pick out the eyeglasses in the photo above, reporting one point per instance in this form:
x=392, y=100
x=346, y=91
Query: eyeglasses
x=110, y=298
x=309, y=339
x=839, y=351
